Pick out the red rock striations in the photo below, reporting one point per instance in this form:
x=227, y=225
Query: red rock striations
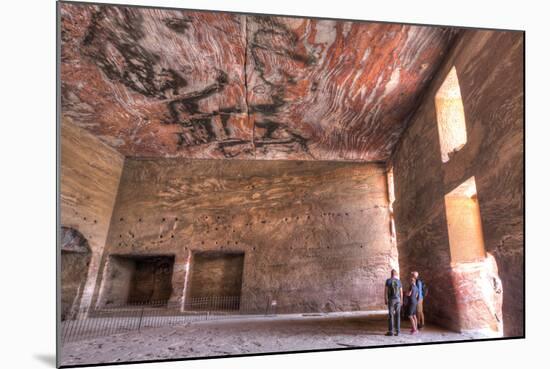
x=164, y=83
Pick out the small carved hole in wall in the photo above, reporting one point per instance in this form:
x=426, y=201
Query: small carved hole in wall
x=121, y=219
x=171, y=236
x=176, y=219
x=202, y=242
x=139, y=220
x=163, y=219
x=84, y=218
x=236, y=242
x=160, y=236
x=95, y=221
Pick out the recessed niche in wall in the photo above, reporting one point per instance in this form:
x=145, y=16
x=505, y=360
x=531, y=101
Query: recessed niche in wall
x=75, y=259
x=451, y=123
x=464, y=223
x=131, y=279
x=215, y=276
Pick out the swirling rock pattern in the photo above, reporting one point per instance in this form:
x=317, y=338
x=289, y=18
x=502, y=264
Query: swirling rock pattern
x=164, y=83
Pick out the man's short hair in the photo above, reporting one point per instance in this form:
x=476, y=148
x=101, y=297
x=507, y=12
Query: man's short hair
x=393, y=272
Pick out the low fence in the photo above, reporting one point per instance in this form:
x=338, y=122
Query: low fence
x=113, y=319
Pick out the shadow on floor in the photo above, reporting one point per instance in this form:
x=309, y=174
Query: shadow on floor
x=48, y=359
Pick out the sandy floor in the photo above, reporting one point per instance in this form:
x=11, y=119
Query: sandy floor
x=248, y=336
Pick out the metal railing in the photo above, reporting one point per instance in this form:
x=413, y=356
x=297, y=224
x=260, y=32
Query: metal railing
x=114, y=319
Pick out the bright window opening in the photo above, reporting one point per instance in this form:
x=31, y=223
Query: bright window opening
x=451, y=124
x=464, y=223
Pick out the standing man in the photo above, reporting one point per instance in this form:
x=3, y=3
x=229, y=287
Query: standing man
x=393, y=295
x=421, y=295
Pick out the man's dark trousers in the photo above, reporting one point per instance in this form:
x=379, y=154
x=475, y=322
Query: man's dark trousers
x=394, y=315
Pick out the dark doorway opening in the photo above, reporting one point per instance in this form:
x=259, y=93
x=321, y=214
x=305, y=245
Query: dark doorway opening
x=152, y=280
x=138, y=279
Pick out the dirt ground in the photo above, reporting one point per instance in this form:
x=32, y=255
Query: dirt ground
x=248, y=336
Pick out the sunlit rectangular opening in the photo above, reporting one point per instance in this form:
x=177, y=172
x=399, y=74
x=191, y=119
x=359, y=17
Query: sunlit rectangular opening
x=451, y=123
x=464, y=223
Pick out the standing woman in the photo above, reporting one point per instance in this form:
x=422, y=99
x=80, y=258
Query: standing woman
x=422, y=293
x=413, y=301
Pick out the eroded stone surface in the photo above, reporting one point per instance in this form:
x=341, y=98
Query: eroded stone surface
x=73, y=241
x=154, y=82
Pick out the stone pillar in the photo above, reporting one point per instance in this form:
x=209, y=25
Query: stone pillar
x=179, y=279
x=90, y=285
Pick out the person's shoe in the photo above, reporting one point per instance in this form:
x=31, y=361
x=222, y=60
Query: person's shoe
x=396, y=334
x=389, y=334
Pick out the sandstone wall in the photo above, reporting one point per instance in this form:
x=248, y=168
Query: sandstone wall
x=489, y=66
x=90, y=173
x=315, y=235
